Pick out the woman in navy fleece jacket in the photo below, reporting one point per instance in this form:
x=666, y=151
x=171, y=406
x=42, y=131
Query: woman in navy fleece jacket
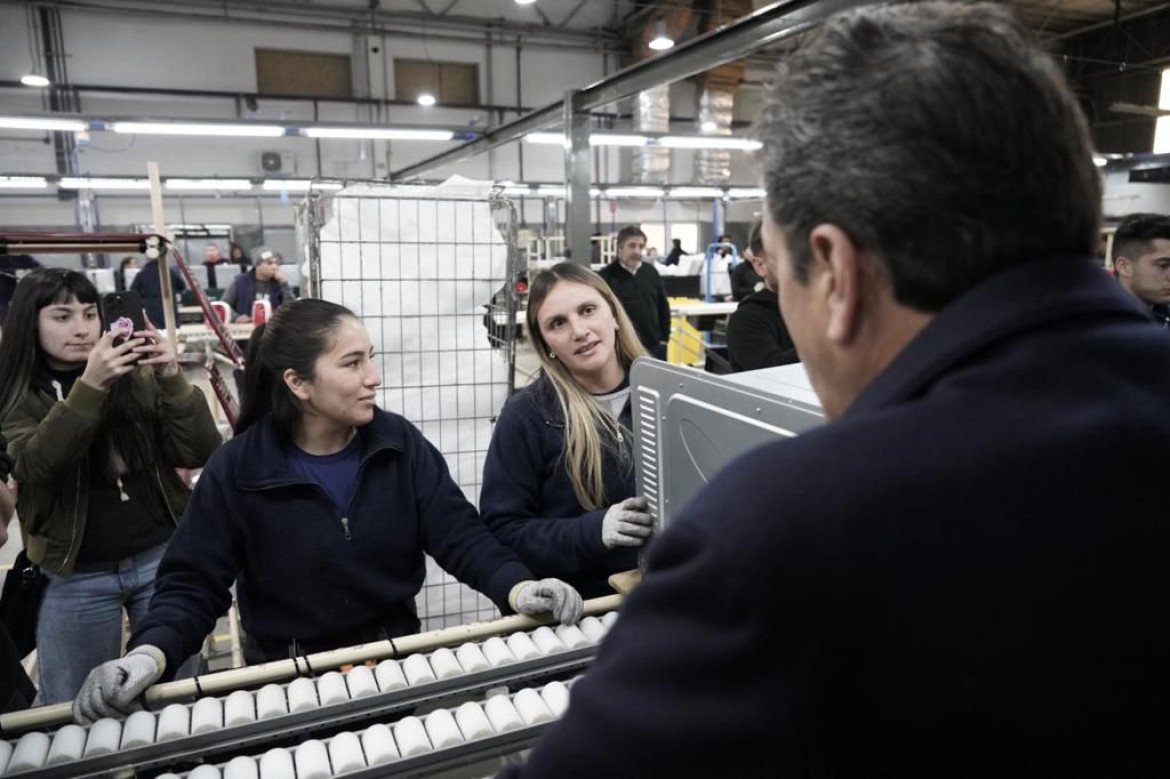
x=322, y=508
x=558, y=482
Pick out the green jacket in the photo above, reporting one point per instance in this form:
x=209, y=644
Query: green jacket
x=49, y=441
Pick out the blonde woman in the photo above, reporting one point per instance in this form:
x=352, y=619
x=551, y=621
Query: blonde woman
x=558, y=483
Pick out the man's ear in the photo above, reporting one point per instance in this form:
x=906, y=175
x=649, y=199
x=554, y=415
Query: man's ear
x=1122, y=266
x=839, y=278
x=295, y=384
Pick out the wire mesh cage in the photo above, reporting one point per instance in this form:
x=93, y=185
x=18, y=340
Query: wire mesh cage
x=431, y=271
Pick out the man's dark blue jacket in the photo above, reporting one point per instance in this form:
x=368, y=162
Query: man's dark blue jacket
x=149, y=288
x=528, y=501
x=303, y=573
x=964, y=575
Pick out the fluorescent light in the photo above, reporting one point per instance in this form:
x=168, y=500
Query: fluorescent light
x=216, y=185
x=23, y=182
x=238, y=130
x=1100, y=161
x=546, y=139
x=650, y=192
x=618, y=140
x=426, y=99
x=709, y=126
x=717, y=142
x=103, y=183
x=42, y=123
x=35, y=80
x=299, y=185
x=553, y=190
x=379, y=133
x=525, y=2
x=747, y=193
x=696, y=192
x=661, y=41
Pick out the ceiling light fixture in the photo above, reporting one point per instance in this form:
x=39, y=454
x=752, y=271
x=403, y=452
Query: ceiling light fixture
x=42, y=123
x=426, y=99
x=709, y=126
x=661, y=41
x=214, y=185
x=378, y=133
x=545, y=139
x=693, y=142
x=525, y=2
x=695, y=192
x=747, y=193
x=23, y=182
x=238, y=130
x=299, y=185
x=646, y=192
x=103, y=183
x=35, y=80
x=618, y=140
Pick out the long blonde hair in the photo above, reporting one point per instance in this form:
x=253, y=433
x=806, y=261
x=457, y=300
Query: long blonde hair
x=589, y=429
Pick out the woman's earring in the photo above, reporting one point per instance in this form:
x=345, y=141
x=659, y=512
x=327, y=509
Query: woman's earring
x=552, y=355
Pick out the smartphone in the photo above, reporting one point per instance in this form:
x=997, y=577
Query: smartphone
x=118, y=308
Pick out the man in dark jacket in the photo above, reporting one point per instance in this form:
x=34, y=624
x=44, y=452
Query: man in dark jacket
x=263, y=282
x=756, y=335
x=149, y=288
x=946, y=579
x=1141, y=256
x=640, y=289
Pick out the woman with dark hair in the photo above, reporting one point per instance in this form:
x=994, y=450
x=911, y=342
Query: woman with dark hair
x=96, y=426
x=322, y=508
x=128, y=262
x=558, y=482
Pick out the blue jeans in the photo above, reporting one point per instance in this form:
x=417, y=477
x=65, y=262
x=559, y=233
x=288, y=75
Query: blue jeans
x=80, y=625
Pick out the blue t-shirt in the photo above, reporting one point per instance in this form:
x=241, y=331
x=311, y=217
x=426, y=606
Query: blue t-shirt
x=336, y=473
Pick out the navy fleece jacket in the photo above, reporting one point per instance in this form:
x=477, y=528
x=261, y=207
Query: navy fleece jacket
x=305, y=572
x=527, y=498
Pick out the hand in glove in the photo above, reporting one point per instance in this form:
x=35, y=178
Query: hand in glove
x=112, y=689
x=532, y=598
x=626, y=524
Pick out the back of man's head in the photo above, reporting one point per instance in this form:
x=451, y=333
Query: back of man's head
x=1137, y=233
x=939, y=137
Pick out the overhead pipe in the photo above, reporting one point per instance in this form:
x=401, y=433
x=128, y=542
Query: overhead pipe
x=761, y=29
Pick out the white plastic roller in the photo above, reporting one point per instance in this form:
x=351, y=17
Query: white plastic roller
x=345, y=753
x=271, y=702
x=417, y=670
x=522, y=647
x=531, y=707
x=444, y=663
x=546, y=641
x=205, y=772
x=312, y=760
x=174, y=722
x=497, y=652
x=471, y=658
x=277, y=764
x=378, y=744
x=411, y=737
x=556, y=697
x=104, y=737
x=139, y=730
x=361, y=682
x=302, y=695
x=68, y=745
x=239, y=709
x=389, y=675
x=442, y=730
x=31, y=752
x=472, y=722
x=331, y=689
x=502, y=714
x=572, y=637
x=206, y=715
x=241, y=767
x=593, y=629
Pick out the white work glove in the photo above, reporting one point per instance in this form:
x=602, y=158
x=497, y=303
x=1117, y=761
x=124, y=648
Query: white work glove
x=626, y=524
x=112, y=689
x=531, y=598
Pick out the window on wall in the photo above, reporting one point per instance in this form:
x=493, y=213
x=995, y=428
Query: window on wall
x=452, y=83
x=1162, y=127
x=280, y=72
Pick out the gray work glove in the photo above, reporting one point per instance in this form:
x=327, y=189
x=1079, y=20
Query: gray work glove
x=626, y=524
x=531, y=598
x=112, y=689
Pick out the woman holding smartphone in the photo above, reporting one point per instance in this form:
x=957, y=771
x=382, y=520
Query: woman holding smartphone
x=96, y=426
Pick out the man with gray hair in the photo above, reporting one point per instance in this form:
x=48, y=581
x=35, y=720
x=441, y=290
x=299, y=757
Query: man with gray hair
x=963, y=572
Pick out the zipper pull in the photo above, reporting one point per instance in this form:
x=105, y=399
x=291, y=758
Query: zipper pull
x=345, y=526
x=57, y=386
x=122, y=491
